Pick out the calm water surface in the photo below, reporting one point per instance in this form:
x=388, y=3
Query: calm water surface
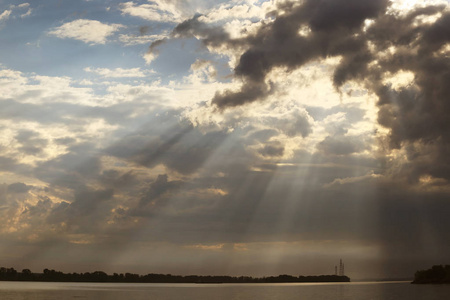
x=288, y=291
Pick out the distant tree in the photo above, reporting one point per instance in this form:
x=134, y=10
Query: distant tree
x=26, y=275
x=437, y=274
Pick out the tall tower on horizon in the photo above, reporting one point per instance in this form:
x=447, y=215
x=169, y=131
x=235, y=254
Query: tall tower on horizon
x=341, y=268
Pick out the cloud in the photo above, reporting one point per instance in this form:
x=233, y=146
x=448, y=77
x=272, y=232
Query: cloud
x=131, y=40
x=342, y=145
x=18, y=187
x=157, y=190
x=279, y=44
x=210, y=34
x=153, y=52
x=292, y=123
x=272, y=149
x=29, y=9
x=169, y=11
x=27, y=14
x=262, y=135
x=160, y=11
x=416, y=114
x=5, y=15
x=84, y=213
x=88, y=31
x=236, y=11
x=118, y=72
x=369, y=52
x=30, y=142
x=178, y=145
x=337, y=183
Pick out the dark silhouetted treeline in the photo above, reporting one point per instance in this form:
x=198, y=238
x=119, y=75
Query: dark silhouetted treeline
x=9, y=274
x=437, y=274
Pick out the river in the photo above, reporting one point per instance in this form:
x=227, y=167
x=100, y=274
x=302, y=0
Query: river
x=288, y=291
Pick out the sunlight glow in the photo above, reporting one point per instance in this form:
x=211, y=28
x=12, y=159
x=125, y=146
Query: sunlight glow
x=399, y=80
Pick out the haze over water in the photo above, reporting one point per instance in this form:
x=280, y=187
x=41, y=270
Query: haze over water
x=288, y=291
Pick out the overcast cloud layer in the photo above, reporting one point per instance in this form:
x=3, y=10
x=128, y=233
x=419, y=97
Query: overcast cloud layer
x=225, y=137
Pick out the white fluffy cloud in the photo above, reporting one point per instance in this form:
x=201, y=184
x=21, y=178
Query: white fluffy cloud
x=88, y=31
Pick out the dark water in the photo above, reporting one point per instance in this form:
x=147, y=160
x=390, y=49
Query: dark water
x=299, y=291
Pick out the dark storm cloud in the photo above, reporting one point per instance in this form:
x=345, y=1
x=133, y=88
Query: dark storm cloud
x=334, y=26
x=417, y=116
x=250, y=91
x=19, y=187
x=329, y=14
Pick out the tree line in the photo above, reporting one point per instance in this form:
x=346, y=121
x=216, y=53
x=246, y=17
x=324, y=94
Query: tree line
x=10, y=274
x=437, y=274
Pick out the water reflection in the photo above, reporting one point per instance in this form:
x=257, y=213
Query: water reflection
x=317, y=291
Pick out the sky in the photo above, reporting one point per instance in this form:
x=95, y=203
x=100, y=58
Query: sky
x=242, y=137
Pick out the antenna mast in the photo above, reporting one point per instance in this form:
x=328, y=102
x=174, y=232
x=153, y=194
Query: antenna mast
x=341, y=268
